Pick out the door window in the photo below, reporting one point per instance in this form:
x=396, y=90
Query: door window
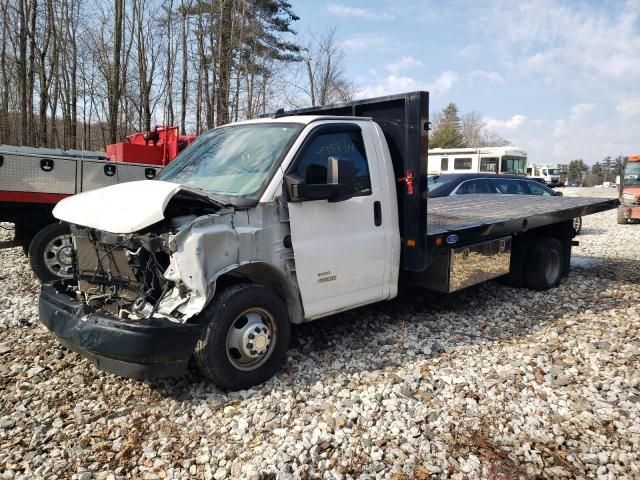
x=346, y=145
x=511, y=187
x=474, y=186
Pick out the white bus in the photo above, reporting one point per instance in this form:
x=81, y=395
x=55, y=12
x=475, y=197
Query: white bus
x=508, y=160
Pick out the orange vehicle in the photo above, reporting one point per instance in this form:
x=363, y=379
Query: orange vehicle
x=629, y=208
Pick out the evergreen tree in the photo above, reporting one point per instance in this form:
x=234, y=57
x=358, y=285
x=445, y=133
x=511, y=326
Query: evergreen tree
x=598, y=173
x=606, y=168
x=447, y=131
x=577, y=169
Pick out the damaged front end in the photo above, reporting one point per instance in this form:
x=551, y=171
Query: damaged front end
x=131, y=259
x=132, y=304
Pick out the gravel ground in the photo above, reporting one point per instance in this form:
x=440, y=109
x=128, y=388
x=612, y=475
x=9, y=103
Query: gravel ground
x=491, y=382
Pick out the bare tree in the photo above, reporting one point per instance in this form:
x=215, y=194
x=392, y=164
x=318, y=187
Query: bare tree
x=184, y=35
x=5, y=132
x=114, y=86
x=115, y=65
x=326, y=80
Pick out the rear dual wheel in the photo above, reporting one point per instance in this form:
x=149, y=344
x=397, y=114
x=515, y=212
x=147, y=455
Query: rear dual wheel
x=245, y=337
x=537, y=263
x=544, y=264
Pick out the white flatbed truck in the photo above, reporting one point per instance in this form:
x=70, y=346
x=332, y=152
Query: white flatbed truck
x=268, y=222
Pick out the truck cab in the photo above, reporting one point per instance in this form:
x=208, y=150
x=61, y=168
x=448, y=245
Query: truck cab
x=629, y=191
x=549, y=174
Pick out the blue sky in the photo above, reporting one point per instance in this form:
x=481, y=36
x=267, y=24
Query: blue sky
x=560, y=79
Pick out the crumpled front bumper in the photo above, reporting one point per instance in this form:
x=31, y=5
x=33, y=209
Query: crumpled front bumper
x=147, y=349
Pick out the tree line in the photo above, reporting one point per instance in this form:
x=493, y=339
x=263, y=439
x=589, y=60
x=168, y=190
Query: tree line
x=85, y=73
x=605, y=171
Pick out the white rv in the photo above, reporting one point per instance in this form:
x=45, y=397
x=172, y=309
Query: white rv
x=549, y=173
x=508, y=160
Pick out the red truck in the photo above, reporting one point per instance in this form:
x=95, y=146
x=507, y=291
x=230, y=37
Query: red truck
x=33, y=180
x=629, y=208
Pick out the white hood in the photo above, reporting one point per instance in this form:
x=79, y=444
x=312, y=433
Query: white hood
x=122, y=208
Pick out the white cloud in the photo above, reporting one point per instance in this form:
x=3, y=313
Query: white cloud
x=345, y=11
x=629, y=107
x=366, y=42
x=571, y=137
x=580, y=111
x=445, y=81
x=503, y=127
x=399, y=84
x=492, y=77
x=390, y=85
x=568, y=40
x=403, y=63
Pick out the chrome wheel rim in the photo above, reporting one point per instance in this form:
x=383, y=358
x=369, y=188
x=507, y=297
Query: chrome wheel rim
x=577, y=222
x=251, y=339
x=553, y=267
x=58, y=256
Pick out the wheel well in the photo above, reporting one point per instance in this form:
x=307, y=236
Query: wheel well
x=264, y=274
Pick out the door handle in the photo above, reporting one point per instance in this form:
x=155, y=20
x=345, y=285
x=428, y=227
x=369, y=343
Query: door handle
x=377, y=213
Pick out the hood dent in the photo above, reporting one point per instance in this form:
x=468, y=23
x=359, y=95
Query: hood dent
x=130, y=207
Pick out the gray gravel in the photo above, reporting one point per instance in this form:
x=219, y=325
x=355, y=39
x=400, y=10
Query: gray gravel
x=491, y=382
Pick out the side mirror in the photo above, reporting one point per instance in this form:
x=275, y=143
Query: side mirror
x=340, y=182
x=557, y=194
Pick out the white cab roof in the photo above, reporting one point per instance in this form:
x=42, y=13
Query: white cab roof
x=303, y=119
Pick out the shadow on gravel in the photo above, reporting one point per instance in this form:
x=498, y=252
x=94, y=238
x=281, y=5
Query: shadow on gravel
x=626, y=270
x=351, y=342
x=590, y=231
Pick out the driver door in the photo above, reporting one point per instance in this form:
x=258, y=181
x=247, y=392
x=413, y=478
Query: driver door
x=340, y=248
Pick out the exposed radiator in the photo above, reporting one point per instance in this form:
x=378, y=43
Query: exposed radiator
x=99, y=264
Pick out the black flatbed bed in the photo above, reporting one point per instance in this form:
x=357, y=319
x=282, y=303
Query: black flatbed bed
x=478, y=217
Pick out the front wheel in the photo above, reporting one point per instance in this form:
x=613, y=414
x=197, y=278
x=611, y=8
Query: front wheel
x=622, y=220
x=51, y=253
x=245, y=337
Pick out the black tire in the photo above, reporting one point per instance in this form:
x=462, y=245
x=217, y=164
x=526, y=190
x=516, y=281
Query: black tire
x=234, y=313
x=622, y=220
x=544, y=264
x=49, y=254
x=577, y=225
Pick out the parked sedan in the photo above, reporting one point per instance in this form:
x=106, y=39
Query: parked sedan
x=464, y=183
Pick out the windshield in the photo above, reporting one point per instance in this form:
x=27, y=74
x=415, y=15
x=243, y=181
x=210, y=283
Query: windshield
x=632, y=174
x=554, y=171
x=234, y=162
x=513, y=165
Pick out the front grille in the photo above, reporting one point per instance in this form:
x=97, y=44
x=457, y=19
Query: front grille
x=104, y=265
